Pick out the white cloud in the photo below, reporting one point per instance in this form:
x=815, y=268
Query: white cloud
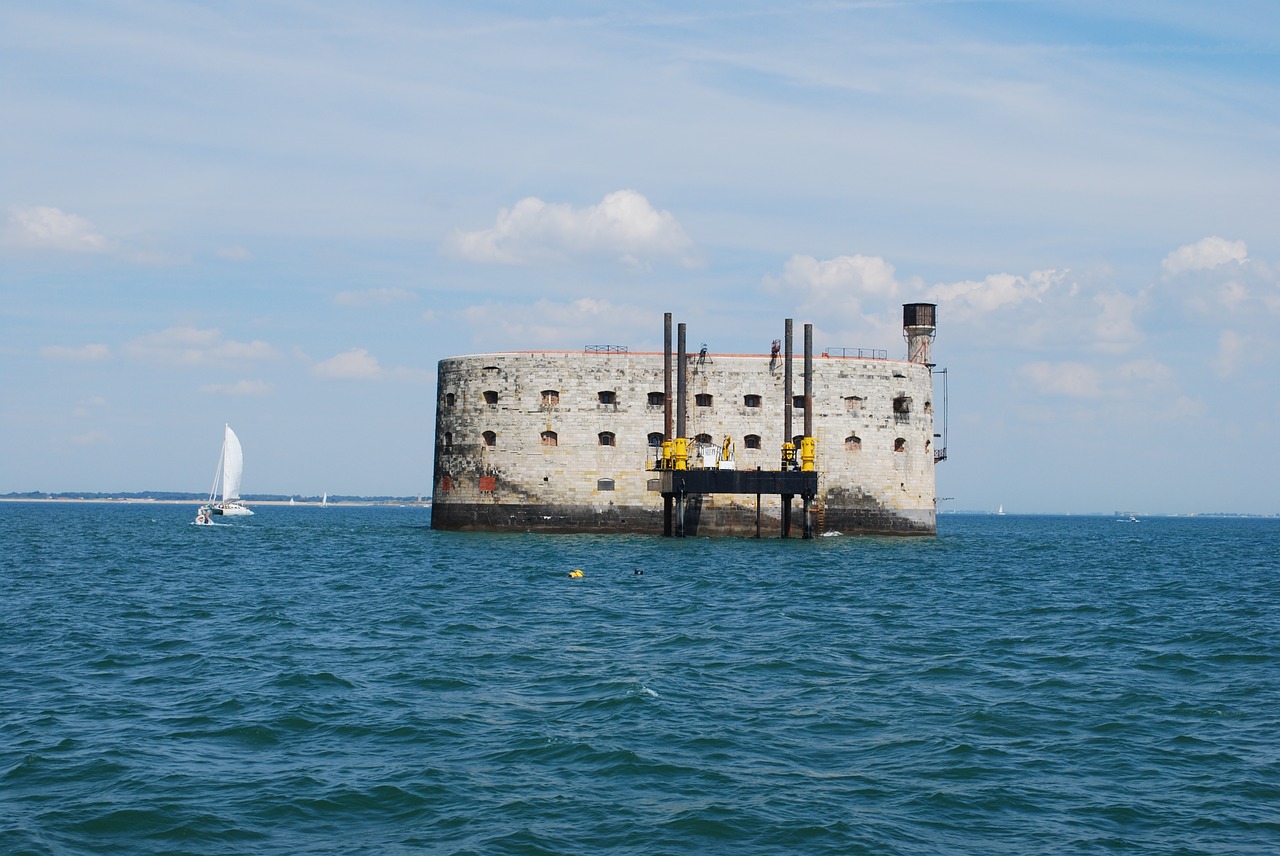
x=355, y=364
x=1147, y=370
x=556, y=325
x=854, y=298
x=997, y=291
x=44, y=227
x=373, y=297
x=1074, y=380
x=192, y=346
x=242, y=387
x=1205, y=254
x=1232, y=348
x=1231, y=295
x=84, y=353
x=623, y=226
x=844, y=278
x=1114, y=327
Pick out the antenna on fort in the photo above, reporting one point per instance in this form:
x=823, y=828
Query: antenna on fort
x=919, y=326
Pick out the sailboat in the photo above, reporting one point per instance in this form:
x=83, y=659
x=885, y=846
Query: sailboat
x=227, y=476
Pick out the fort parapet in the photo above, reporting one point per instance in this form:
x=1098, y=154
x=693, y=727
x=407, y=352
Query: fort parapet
x=568, y=442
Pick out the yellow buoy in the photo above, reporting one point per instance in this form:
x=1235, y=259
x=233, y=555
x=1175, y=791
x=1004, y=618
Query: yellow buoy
x=576, y=573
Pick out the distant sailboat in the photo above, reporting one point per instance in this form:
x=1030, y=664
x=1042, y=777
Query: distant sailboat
x=324, y=500
x=227, y=477
x=1001, y=511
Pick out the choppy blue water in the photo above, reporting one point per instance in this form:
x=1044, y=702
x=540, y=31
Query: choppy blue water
x=346, y=680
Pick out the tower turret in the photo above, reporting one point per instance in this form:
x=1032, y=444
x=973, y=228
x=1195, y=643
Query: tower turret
x=919, y=326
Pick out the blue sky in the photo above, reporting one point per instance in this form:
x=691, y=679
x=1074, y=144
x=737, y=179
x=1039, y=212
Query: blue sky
x=281, y=215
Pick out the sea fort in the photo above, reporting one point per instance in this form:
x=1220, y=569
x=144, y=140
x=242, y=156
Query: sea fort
x=606, y=440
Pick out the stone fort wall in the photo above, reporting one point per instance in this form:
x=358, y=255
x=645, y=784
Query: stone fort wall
x=560, y=441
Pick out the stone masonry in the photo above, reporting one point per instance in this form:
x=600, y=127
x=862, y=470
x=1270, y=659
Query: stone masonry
x=563, y=441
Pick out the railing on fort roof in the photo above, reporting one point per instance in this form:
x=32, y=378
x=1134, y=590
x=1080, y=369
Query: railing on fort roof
x=604, y=349
x=856, y=354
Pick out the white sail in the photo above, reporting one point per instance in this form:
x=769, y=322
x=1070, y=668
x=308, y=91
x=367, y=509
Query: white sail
x=232, y=466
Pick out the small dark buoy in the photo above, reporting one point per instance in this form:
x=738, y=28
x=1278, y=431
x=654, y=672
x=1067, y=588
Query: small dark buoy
x=639, y=571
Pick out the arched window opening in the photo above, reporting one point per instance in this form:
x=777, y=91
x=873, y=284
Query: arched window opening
x=549, y=438
x=853, y=403
x=751, y=441
x=852, y=443
x=750, y=401
x=604, y=484
x=607, y=396
x=902, y=409
x=450, y=399
x=490, y=439
x=702, y=399
x=704, y=439
x=928, y=407
x=607, y=438
x=448, y=440
x=797, y=402
x=657, y=399
x=490, y=396
x=655, y=439
x=550, y=397
x=900, y=445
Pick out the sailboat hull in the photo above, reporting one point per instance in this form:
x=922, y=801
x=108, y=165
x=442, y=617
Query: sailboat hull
x=231, y=509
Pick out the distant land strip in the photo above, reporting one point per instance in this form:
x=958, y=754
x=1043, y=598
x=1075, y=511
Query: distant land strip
x=181, y=497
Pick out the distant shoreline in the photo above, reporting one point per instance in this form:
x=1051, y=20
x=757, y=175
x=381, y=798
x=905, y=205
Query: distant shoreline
x=426, y=503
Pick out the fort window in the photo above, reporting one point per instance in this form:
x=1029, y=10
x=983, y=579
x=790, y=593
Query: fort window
x=607, y=396
x=448, y=440
x=702, y=399
x=490, y=439
x=550, y=397
x=607, y=438
x=900, y=445
x=450, y=399
x=796, y=441
x=750, y=401
x=852, y=443
x=549, y=438
x=657, y=399
x=928, y=407
x=604, y=484
x=655, y=439
x=853, y=403
x=490, y=396
x=751, y=441
x=902, y=409
x=488, y=483
x=704, y=439
x=798, y=402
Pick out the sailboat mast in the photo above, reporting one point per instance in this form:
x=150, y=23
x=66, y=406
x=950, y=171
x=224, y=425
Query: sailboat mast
x=217, y=473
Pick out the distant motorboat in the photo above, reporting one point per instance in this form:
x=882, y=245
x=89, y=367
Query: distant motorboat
x=226, y=478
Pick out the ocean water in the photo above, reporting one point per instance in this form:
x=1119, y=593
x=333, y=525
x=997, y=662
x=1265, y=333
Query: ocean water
x=346, y=680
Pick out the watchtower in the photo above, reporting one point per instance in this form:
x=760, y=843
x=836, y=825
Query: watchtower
x=919, y=326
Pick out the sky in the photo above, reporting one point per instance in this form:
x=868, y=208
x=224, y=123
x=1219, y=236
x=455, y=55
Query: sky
x=282, y=215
